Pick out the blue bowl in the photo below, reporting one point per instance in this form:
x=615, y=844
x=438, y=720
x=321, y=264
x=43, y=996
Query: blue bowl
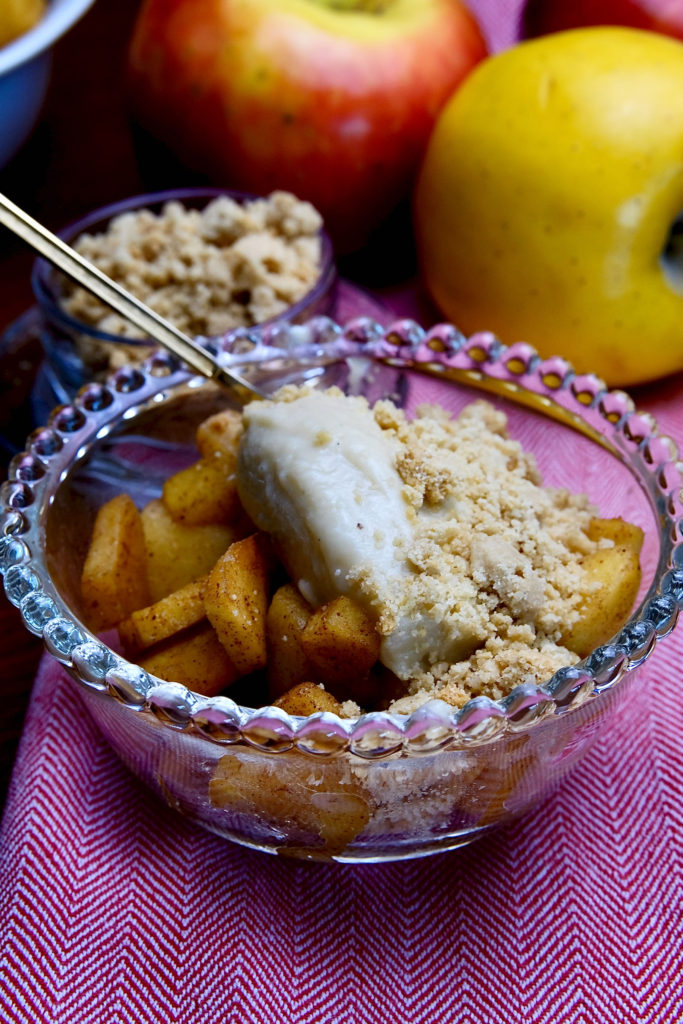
x=25, y=72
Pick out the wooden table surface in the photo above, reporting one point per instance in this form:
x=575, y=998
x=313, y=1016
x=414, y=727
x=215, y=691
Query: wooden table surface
x=85, y=153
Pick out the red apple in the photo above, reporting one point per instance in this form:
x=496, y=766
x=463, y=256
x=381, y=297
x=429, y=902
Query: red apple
x=333, y=100
x=544, y=16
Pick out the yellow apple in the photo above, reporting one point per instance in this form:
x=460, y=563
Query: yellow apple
x=548, y=207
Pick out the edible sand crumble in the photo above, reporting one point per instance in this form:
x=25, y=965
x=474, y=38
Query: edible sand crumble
x=470, y=567
x=495, y=555
x=207, y=271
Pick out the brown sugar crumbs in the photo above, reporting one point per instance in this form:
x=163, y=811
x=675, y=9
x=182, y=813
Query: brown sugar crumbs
x=476, y=577
x=496, y=557
x=208, y=271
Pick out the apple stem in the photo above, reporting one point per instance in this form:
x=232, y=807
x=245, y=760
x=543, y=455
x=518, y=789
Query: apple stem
x=356, y=6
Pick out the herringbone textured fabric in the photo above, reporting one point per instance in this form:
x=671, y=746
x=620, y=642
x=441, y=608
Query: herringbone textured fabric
x=114, y=910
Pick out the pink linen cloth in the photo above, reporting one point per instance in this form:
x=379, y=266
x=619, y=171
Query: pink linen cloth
x=115, y=910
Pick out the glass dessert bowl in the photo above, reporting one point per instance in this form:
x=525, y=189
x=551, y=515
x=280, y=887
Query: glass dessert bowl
x=80, y=345
x=379, y=786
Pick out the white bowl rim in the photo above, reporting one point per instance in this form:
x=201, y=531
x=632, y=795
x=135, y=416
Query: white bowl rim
x=58, y=18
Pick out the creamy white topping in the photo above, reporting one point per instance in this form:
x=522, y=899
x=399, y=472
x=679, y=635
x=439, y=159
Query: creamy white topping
x=318, y=474
x=439, y=528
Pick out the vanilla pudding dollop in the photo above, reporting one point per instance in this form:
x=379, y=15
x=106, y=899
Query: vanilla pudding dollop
x=438, y=526
x=319, y=475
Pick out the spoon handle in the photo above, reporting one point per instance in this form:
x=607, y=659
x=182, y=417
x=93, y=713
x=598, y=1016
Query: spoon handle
x=149, y=323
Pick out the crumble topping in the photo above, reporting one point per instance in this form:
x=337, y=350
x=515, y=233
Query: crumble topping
x=469, y=565
x=494, y=555
x=208, y=271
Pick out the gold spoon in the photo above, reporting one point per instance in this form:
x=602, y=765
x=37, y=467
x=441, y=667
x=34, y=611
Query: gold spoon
x=141, y=316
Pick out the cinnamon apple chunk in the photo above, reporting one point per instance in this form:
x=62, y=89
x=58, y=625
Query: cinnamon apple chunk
x=236, y=601
x=195, y=658
x=177, y=553
x=203, y=493
x=288, y=664
x=114, y=579
x=342, y=644
x=219, y=435
x=161, y=620
x=306, y=699
x=615, y=575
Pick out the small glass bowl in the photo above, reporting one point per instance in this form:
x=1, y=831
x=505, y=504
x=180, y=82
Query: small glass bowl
x=382, y=786
x=65, y=339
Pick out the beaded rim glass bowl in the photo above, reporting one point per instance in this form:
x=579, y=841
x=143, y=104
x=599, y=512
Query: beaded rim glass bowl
x=64, y=337
x=295, y=352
